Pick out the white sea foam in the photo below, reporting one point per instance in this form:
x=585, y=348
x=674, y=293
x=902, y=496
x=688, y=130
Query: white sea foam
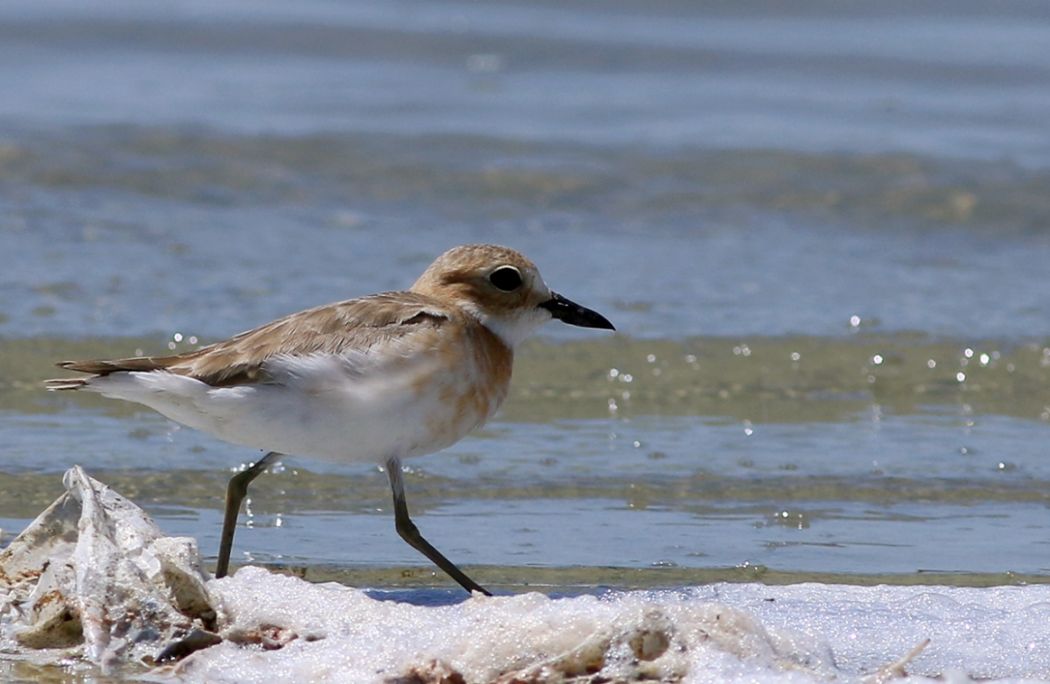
x=94, y=562
x=717, y=633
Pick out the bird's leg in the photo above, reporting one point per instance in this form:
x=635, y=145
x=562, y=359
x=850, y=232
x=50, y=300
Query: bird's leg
x=410, y=533
x=236, y=490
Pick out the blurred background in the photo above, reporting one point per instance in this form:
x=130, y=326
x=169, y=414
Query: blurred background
x=821, y=229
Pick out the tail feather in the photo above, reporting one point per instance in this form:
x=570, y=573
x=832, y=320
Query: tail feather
x=100, y=368
x=64, y=384
x=104, y=367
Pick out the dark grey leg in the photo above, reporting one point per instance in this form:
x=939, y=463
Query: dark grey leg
x=235, y=493
x=410, y=533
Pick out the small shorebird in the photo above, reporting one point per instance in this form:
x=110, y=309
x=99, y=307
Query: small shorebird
x=379, y=378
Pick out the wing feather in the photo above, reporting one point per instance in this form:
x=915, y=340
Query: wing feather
x=354, y=325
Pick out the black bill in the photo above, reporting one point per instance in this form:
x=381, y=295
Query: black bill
x=568, y=311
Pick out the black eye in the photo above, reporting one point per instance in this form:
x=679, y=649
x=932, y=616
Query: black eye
x=506, y=278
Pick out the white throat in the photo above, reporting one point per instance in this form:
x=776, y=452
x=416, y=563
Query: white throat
x=513, y=330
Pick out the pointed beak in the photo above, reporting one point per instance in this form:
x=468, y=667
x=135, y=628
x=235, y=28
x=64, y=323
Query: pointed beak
x=568, y=311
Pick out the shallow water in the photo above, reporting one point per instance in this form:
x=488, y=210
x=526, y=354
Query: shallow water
x=822, y=234
x=719, y=461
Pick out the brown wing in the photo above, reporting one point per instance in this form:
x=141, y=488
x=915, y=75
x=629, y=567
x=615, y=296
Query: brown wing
x=354, y=324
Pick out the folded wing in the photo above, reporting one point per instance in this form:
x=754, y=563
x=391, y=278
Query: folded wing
x=353, y=326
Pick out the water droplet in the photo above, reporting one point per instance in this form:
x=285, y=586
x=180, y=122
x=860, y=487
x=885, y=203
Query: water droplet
x=877, y=359
x=854, y=321
x=930, y=363
x=960, y=376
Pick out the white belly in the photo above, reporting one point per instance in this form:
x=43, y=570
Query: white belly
x=323, y=408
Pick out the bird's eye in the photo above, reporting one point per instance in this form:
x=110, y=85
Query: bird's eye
x=506, y=278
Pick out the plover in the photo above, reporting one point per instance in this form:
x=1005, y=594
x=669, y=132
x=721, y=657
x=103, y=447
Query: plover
x=379, y=378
